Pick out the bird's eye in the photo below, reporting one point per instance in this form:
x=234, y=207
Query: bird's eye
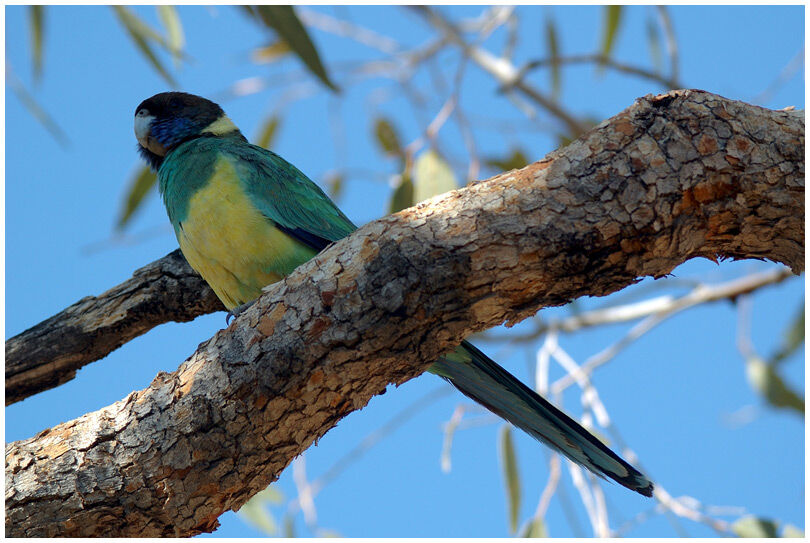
x=142, y=113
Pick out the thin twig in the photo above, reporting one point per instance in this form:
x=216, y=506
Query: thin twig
x=600, y=507
x=346, y=29
x=369, y=442
x=672, y=42
x=501, y=69
x=449, y=431
x=305, y=495
x=601, y=60
x=553, y=480
x=699, y=295
x=786, y=74
x=681, y=507
x=463, y=125
x=662, y=304
x=578, y=478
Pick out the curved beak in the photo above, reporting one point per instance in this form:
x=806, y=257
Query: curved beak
x=144, y=136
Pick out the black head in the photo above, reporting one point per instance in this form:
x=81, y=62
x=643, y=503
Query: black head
x=168, y=119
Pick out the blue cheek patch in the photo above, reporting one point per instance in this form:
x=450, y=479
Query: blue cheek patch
x=170, y=132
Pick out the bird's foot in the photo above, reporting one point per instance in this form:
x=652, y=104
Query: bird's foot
x=238, y=310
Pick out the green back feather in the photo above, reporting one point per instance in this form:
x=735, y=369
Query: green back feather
x=279, y=190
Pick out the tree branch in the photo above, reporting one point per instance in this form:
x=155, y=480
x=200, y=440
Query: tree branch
x=673, y=177
x=501, y=69
x=50, y=353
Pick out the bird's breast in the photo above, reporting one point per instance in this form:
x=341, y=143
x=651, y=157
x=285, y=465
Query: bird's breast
x=235, y=248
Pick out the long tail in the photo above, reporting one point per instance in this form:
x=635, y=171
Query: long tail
x=484, y=381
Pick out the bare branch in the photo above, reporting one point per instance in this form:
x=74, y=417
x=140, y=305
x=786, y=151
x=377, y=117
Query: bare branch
x=502, y=70
x=666, y=305
x=667, y=82
x=661, y=309
x=673, y=177
x=50, y=353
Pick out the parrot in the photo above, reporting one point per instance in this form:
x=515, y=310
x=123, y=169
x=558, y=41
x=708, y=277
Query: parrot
x=245, y=218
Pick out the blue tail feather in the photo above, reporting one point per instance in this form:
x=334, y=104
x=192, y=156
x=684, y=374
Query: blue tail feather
x=484, y=381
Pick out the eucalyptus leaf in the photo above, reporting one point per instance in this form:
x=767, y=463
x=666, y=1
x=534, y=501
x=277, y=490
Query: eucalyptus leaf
x=793, y=338
x=270, y=53
x=514, y=160
x=511, y=477
x=256, y=514
x=174, y=30
x=613, y=17
x=268, y=132
x=335, y=184
x=751, y=526
x=141, y=33
x=36, y=15
x=139, y=186
x=553, y=44
x=403, y=194
x=535, y=528
x=765, y=380
x=30, y=103
x=287, y=25
x=432, y=176
x=387, y=137
x=792, y=531
x=289, y=526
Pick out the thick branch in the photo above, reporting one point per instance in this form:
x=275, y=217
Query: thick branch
x=673, y=177
x=49, y=354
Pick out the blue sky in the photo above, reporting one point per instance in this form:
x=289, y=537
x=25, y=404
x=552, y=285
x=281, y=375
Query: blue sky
x=671, y=394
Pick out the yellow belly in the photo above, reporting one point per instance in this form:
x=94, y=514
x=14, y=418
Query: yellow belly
x=235, y=248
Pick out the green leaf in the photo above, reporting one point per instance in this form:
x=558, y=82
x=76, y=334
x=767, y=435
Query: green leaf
x=139, y=187
x=613, y=16
x=432, y=176
x=335, y=184
x=36, y=15
x=141, y=33
x=535, y=528
x=284, y=21
x=654, y=43
x=754, y=527
x=765, y=380
x=553, y=44
x=255, y=512
x=29, y=102
x=403, y=194
x=387, y=137
x=268, y=133
x=289, y=526
x=792, y=531
x=510, y=474
x=174, y=30
x=794, y=338
x=270, y=53
x=515, y=160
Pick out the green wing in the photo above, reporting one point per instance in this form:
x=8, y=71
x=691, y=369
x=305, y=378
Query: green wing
x=282, y=193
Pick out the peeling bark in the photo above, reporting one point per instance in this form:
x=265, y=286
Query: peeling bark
x=673, y=177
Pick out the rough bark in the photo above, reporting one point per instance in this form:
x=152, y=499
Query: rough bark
x=48, y=354
x=671, y=178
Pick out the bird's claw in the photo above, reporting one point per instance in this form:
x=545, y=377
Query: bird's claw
x=236, y=311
